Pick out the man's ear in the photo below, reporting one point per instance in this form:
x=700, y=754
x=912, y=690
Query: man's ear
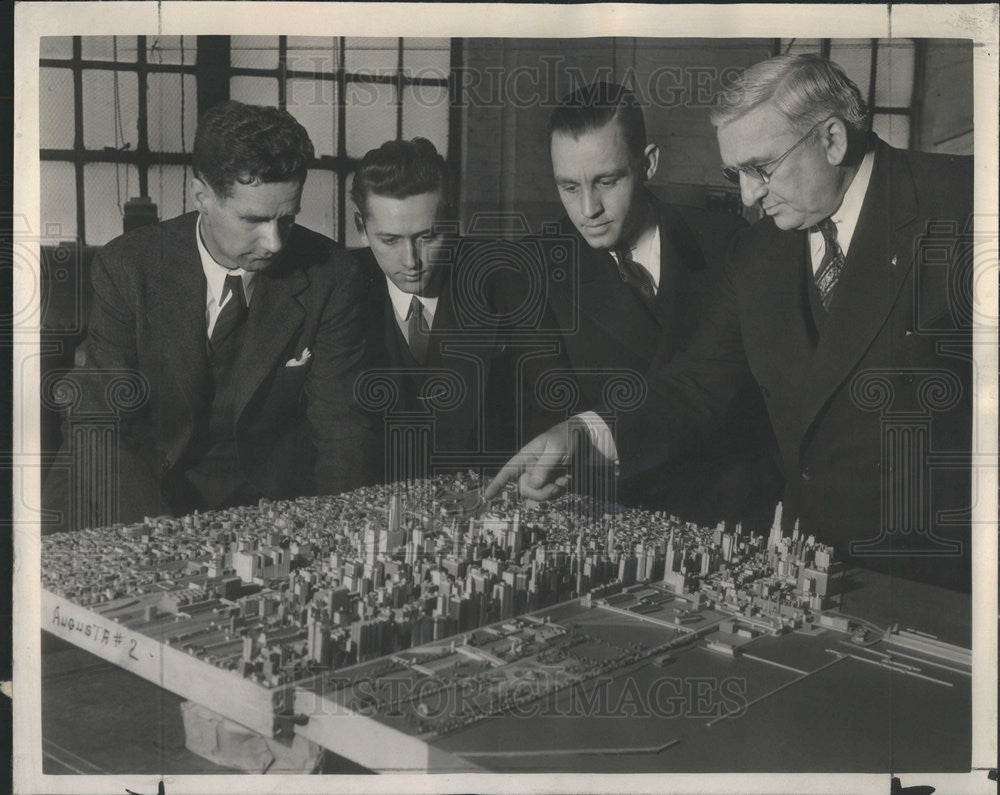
x=359, y=224
x=835, y=141
x=201, y=193
x=650, y=160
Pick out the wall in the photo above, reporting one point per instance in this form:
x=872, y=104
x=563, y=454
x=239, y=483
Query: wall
x=506, y=155
x=508, y=88
x=945, y=125
x=511, y=86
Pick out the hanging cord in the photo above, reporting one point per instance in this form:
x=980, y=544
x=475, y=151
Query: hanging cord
x=156, y=56
x=184, y=178
x=120, y=144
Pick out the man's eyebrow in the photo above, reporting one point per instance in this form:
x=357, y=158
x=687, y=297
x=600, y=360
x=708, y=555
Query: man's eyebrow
x=618, y=172
x=614, y=173
x=259, y=219
x=753, y=161
x=391, y=236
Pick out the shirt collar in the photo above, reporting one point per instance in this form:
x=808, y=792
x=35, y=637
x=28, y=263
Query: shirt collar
x=401, y=301
x=215, y=274
x=846, y=216
x=646, y=251
x=642, y=247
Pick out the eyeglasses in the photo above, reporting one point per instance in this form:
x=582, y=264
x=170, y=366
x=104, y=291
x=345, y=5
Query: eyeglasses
x=762, y=172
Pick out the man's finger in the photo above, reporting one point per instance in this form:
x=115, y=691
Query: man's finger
x=507, y=474
x=552, y=457
x=544, y=493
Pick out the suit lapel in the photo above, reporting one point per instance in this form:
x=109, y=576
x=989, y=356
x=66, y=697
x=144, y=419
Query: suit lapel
x=444, y=321
x=605, y=299
x=776, y=327
x=275, y=315
x=177, y=318
x=473, y=372
x=680, y=255
x=878, y=262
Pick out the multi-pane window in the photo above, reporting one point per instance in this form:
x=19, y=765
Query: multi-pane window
x=350, y=94
x=118, y=115
x=885, y=72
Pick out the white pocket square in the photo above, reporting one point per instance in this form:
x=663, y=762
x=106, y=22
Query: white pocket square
x=304, y=357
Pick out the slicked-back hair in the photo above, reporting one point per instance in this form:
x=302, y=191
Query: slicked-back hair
x=249, y=144
x=400, y=169
x=806, y=89
x=593, y=106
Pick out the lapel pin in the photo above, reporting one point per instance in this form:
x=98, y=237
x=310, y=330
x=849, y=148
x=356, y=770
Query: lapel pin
x=892, y=262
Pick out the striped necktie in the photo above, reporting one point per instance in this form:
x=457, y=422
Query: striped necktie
x=635, y=276
x=833, y=263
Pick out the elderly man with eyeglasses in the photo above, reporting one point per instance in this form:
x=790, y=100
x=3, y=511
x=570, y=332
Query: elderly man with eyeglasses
x=850, y=306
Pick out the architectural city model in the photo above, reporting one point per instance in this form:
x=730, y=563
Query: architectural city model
x=390, y=601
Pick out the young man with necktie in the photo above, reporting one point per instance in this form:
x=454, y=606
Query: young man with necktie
x=640, y=285
x=438, y=322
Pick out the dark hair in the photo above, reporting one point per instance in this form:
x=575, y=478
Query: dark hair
x=400, y=169
x=249, y=144
x=593, y=106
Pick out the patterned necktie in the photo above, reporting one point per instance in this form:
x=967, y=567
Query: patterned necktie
x=832, y=264
x=417, y=332
x=635, y=276
x=233, y=313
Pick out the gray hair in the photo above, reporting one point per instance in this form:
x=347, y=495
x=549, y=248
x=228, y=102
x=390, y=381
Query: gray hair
x=806, y=89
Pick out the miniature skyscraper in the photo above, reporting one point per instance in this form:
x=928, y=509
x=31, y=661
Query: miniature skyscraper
x=395, y=511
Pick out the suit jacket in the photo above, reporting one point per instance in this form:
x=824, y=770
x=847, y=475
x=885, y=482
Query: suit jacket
x=608, y=332
x=473, y=392
x=296, y=428
x=861, y=405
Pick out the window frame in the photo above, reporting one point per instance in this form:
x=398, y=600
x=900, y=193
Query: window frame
x=911, y=111
x=212, y=70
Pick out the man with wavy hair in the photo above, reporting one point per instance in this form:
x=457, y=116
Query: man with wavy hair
x=242, y=335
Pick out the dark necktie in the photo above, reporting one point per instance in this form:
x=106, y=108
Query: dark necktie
x=233, y=313
x=832, y=264
x=635, y=276
x=417, y=332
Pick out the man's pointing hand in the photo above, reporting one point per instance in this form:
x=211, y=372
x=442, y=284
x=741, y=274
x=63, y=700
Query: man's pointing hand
x=541, y=466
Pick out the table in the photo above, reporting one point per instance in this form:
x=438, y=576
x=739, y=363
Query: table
x=854, y=716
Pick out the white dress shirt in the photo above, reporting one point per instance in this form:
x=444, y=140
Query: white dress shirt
x=401, y=307
x=846, y=216
x=215, y=276
x=646, y=252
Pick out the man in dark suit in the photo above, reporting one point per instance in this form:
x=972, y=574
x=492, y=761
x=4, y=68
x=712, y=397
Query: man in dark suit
x=447, y=378
x=239, y=333
x=640, y=286
x=848, y=306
